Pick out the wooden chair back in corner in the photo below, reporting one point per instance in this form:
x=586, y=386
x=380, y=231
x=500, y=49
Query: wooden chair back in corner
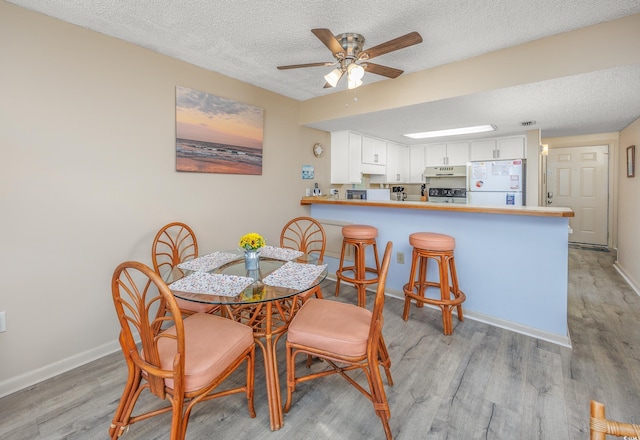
x=306, y=235
x=600, y=427
x=173, y=244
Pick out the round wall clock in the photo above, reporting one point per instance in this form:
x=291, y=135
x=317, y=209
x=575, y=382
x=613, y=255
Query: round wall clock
x=318, y=149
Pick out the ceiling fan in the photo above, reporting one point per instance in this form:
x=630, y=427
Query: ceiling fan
x=351, y=59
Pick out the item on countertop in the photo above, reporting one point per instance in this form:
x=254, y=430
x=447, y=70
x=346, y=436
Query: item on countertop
x=316, y=190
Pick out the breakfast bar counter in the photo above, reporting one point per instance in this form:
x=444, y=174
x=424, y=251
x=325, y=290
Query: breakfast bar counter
x=453, y=207
x=512, y=262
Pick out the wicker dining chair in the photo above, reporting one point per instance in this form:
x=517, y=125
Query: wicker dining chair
x=175, y=243
x=307, y=235
x=346, y=337
x=180, y=360
x=599, y=426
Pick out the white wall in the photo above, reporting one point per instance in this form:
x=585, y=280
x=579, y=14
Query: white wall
x=629, y=208
x=87, y=135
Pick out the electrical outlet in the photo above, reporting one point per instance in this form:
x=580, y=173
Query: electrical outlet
x=3, y=322
x=400, y=257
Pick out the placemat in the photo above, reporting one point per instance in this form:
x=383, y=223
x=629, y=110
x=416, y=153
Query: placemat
x=212, y=284
x=280, y=253
x=208, y=262
x=294, y=275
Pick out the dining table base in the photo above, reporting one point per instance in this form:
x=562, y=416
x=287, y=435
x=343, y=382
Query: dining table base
x=269, y=321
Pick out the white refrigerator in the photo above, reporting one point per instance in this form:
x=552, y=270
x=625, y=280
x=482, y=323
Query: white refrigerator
x=497, y=183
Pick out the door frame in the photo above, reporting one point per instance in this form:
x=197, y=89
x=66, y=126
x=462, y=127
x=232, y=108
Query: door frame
x=610, y=139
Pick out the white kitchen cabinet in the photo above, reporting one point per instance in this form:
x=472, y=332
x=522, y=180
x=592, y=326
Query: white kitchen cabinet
x=346, y=151
x=397, y=165
x=374, y=151
x=498, y=149
x=483, y=150
x=416, y=163
x=455, y=153
x=511, y=148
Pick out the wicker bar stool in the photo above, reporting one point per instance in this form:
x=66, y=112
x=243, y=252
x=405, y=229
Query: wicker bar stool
x=438, y=247
x=358, y=236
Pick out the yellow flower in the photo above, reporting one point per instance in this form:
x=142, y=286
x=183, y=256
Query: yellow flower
x=252, y=241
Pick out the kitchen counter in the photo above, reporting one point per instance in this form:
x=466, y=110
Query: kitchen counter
x=454, y=207
x=512, y=262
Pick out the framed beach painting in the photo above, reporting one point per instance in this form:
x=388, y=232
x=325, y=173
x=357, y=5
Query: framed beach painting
x=217, y=135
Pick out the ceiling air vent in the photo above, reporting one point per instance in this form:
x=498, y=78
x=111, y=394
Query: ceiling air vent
x=528, y=123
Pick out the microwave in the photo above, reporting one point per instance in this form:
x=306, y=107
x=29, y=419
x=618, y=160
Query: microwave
x=369, y=194
x=356, y=194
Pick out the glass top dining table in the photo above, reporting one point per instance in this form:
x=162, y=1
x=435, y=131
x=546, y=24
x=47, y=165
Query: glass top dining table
x=257, y=291
x=267, y=303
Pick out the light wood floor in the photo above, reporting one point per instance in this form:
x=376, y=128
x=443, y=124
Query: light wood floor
x=480, y=383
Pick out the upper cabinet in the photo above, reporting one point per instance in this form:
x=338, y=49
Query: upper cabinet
x=498, y=149
x=374, y=151
x=416, y=163
x=346, y=151
x=397, y=168
x=354, y=154
x=455, y=153
x=402, y=163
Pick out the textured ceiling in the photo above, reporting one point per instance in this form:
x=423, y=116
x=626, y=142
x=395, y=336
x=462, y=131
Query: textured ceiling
x=248, y=39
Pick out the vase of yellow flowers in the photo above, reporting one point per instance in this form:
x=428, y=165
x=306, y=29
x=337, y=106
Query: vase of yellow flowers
x=252, y=243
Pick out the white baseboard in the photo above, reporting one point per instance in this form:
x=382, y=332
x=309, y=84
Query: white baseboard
x=621, y=271
x=554, y=338
x=30, y=378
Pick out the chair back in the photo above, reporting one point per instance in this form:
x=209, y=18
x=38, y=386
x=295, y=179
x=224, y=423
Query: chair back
x=145, y=307
x=599, y=426
x=375, y=331
x=173, y=244
x=304, y=234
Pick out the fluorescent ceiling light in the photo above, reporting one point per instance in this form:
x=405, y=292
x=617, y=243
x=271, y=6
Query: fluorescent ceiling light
x=452, y=132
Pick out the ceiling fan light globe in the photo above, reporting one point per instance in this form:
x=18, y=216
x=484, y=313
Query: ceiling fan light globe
x=333, y=77
x=355, y=72
x=351, y=84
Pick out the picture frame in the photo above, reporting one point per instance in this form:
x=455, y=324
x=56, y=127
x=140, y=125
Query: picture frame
x=631, y=161
x=217, y=135
x=307, y=172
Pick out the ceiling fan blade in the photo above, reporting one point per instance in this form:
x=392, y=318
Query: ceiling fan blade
x=297, y=66
x=327, y=38
x=389, y=72
x=397, y=43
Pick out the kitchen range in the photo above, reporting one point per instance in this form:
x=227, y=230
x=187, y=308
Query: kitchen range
x=448, y=195
x=447, y=184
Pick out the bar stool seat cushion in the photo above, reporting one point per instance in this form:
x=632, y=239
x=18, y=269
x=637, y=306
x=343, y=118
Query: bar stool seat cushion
x=364, y=232
x=432, y=241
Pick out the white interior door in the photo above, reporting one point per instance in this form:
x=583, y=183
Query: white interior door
x=577, y=177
